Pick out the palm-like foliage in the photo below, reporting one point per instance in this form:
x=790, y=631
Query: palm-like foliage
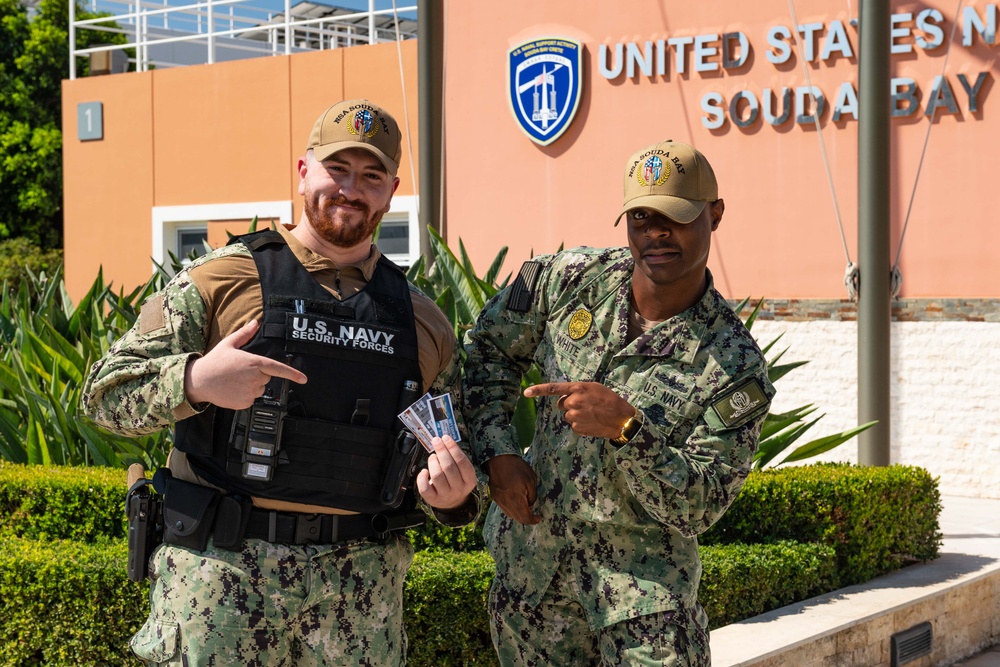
x=48, y=344
x=781, y=431
x=461, y=294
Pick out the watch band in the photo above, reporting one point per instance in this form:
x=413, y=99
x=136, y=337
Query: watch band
x=629, y=428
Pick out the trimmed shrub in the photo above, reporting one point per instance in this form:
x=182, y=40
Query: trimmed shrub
x=433, y=535
x=67, y=604
x=57, y=502
x=742, y=580
x=445, y=609
x=877, y=519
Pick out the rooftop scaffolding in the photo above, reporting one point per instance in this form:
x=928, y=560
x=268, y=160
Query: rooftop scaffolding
x=163, y=35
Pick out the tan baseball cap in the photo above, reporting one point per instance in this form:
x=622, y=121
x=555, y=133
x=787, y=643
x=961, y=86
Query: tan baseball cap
x=670, y=177
x=357, y=124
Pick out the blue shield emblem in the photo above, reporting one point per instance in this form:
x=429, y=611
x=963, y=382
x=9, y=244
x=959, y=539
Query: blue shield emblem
x=544, y=83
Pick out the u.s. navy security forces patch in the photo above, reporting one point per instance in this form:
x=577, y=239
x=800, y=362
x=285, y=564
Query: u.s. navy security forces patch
x=579, y=324
x=544, y=80
x=746, y=399
x=339, y=334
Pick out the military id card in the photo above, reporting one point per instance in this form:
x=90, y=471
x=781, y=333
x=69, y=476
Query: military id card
x=429, y=417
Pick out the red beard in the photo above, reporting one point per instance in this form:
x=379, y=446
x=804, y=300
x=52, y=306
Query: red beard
x=335, y=231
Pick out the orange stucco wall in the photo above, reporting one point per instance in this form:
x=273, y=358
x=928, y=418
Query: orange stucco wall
x=209, y=134
x=108, y=184
x=780, y=236
x=231, y=132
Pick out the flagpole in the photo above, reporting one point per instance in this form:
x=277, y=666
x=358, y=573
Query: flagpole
x=874, y=298
x=430, y=26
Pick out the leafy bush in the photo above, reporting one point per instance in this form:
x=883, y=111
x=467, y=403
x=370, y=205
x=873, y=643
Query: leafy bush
x=67, y=604
x=47, y=346
x=877, y=519
x=19, y=257
x=444, y=609
x=739, y=581
x=433, y=535
x=57, y=503
x=55, y=594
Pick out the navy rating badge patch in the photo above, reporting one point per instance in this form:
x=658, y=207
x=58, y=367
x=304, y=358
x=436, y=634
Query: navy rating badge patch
x=544, y=84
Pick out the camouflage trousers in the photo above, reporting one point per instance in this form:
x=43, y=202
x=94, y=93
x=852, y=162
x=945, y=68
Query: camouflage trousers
x=277, y=605
x=556, y=632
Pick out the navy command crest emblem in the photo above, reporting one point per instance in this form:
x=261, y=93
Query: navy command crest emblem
x=579, y=324
x=364, y=123
x=544, y=84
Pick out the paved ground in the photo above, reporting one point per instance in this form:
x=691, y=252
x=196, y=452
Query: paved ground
x=988, y=658
x=971, y=547
x=973, y=523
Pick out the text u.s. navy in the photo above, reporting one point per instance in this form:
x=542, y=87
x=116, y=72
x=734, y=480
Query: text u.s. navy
x=355, y=337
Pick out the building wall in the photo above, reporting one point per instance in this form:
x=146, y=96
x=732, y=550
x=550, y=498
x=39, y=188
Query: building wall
x=943, y=384
x=780, y=236
x=207, y=135
x=231, y=132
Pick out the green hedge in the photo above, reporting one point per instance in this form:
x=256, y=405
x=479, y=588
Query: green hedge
x=65, y=599
x=739, y=581
x=444, y=607
x=67, y=604
x=877, y=519
x=57, y=502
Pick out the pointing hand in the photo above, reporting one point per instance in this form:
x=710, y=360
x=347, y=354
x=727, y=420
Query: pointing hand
x=229, y=377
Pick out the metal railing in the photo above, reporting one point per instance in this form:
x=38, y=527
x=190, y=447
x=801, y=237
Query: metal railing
x=163, y=35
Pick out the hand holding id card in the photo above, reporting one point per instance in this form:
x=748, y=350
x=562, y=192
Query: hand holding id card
x=430, y=417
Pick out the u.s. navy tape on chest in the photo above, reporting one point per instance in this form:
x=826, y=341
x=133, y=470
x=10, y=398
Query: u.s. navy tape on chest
x=740, y=403
x=325, y=331
x=522, y=291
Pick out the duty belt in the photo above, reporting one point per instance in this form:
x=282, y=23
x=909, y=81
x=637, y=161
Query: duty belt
x=296, y=528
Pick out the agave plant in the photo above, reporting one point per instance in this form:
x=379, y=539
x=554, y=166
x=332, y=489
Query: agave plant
x=461, y=294
x=47, y=346
x=781, y=431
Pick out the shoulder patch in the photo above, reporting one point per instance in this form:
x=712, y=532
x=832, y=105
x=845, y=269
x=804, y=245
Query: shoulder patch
x=522, y=292
x=151, y=315
x=742, y=401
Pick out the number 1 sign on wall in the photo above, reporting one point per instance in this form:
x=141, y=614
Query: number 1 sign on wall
x=89, y=121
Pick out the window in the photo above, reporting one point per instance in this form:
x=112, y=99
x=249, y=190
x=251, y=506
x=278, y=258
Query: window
x=180, y=229
x=191, y=240
x=399, y=234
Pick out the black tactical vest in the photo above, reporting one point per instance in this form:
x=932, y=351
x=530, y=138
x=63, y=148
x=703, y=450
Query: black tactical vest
x=340, y=432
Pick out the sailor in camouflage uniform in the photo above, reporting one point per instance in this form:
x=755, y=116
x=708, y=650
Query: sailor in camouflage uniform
x=283, y=552
x=649, y=415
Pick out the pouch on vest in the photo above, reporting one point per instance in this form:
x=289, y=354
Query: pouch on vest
x=188, y=511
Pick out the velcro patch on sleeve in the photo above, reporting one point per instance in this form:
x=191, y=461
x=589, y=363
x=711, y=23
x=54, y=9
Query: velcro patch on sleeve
x=736, y=405
x=522, y=291
x=151, y=315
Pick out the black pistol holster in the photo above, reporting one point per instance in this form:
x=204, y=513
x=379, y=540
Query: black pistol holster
x=145, y=527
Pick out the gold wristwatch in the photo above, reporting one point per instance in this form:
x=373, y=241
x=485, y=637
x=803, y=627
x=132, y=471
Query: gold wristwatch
x=629, y=428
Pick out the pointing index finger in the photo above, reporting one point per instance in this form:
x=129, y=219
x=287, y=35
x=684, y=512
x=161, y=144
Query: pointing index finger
x=548, y=389
x=280, y=370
